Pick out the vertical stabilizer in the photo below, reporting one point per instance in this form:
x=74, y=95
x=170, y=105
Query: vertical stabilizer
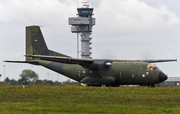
x=36, y=45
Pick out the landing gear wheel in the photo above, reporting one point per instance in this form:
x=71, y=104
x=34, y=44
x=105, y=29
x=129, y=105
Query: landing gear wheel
x=152, y=85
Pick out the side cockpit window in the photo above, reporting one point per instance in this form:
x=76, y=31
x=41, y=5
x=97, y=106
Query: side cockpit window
x=152, y=67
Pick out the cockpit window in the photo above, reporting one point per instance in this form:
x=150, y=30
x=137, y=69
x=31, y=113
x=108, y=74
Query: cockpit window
x=152, y=67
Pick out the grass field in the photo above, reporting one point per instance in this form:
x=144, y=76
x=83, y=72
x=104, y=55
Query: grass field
x=85, y=100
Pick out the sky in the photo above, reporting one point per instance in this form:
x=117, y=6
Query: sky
x=124, y=29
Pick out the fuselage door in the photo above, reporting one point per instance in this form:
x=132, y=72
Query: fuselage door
x=140, y=69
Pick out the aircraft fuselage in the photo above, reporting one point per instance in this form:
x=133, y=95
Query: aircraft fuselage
x=119, y=73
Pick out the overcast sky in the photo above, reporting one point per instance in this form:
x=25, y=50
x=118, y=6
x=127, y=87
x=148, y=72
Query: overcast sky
x=125, y=29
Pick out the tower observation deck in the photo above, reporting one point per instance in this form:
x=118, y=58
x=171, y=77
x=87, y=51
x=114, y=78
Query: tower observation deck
x=83, y=25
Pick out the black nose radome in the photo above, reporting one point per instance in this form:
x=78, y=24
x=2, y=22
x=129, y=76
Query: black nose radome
x=162, y=77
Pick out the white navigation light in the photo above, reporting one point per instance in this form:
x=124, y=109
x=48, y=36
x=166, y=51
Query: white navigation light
x=108, y=64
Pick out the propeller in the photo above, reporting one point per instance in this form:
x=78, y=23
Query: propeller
x=147, y=54
x=108, y=54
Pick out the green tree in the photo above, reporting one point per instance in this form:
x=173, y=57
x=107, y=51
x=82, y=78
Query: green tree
x=28, y=74
x=49, y=82
x=39, y=82
x=67, y=82
x=7, y=80
x=13, y=82
x=57, y=83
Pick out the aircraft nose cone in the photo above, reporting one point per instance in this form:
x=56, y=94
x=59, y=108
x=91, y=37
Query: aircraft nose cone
x=162, y=77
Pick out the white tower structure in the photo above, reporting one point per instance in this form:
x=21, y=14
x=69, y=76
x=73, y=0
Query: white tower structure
x=83, y=25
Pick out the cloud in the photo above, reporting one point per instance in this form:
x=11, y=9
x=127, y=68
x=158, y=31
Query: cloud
x=125, y=16
x=135, y=17
x=37, y=11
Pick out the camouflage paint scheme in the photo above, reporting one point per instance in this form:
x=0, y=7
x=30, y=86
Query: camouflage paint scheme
x=94, y=72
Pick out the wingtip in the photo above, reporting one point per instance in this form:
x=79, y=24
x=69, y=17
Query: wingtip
x=7, y=61
x=28, y=55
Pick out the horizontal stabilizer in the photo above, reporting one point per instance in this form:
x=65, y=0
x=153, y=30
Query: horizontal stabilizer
x=30, y=62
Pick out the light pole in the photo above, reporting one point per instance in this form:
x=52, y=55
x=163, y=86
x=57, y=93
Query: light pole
x=58, y=77
x=48, y=76
x=0, y=77
x=4, y=71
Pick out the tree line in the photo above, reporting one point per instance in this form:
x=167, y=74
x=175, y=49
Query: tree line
x=31, y=78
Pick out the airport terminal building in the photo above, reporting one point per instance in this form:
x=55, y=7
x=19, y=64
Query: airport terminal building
x=171, y=81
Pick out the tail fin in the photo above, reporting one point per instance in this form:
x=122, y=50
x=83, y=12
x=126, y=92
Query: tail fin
x=36, y=45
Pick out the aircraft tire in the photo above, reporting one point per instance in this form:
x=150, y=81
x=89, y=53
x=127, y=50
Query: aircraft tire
x=151, y=85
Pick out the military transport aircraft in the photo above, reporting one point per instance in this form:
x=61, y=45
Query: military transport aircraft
x=92, y=72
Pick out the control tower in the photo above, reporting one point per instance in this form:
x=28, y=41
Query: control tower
x=83, y=25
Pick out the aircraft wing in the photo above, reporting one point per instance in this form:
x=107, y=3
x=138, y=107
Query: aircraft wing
x=31, y=62
x=80, y=61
